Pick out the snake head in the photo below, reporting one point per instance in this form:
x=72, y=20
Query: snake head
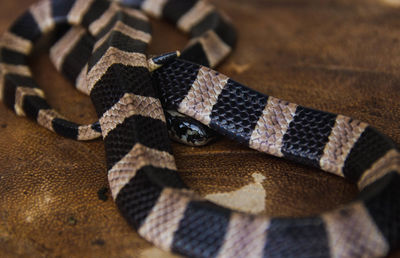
x=188, y=131
x=156, y=62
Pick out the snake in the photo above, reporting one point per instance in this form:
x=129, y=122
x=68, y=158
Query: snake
x=130, y=92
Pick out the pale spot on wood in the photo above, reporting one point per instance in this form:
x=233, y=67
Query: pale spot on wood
x=249, y=198
x=238, y=68
x=391, y=2
x=38, y=208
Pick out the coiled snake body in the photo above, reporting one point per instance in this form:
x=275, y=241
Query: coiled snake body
x=141, y=168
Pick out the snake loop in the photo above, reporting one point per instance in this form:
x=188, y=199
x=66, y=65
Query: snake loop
x=141, y=169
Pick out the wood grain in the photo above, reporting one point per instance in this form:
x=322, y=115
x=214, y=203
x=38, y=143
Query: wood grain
x=339, y=56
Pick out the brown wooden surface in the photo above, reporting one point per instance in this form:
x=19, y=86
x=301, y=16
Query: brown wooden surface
x=339, y=56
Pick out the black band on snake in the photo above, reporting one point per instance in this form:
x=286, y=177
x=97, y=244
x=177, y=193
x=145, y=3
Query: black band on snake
x=141, y=169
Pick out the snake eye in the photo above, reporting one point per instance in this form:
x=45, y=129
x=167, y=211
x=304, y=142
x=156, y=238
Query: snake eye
x=188, y=131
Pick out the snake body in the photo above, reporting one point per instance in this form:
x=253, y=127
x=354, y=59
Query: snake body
x=141, y=169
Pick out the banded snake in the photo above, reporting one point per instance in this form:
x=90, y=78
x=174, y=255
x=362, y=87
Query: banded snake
x=142, y=172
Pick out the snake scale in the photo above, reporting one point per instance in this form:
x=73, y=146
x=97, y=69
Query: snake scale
x=128, y=96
